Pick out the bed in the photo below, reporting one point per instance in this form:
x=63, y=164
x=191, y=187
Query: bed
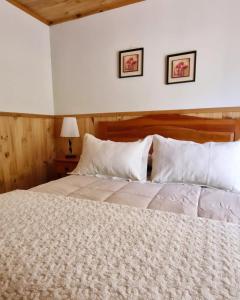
x=88, y=237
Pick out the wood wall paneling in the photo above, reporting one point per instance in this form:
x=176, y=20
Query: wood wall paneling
x=27, y=150
x=29, y=143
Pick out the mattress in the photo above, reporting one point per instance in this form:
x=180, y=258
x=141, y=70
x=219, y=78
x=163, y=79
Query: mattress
x=192, y=200
x=57, y=247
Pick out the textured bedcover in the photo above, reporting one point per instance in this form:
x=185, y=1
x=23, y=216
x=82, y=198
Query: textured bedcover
x=192, y=200
x=55, y=247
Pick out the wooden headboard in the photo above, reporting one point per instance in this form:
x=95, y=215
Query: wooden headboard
x=174, y=126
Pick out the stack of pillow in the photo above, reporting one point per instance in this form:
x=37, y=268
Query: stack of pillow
x=209, y=164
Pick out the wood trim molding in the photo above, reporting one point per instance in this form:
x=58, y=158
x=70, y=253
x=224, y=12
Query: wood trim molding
x=129, y=113
x=156, y=112
x=24, y=115
x=29, y=11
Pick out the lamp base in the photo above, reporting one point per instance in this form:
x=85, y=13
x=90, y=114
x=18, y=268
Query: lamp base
x=70, y=156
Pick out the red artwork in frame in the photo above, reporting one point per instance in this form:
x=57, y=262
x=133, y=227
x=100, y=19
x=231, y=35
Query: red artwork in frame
x=131, y=63
x=181, y=67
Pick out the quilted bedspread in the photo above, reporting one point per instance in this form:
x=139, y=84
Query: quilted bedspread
x=56, y=247
x=187, y=199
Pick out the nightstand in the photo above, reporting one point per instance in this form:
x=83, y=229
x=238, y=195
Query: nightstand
x=65, y=165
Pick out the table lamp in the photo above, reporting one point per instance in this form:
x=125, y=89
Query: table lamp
x=70, y=130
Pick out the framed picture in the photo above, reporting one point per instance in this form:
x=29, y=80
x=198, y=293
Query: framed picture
x=181, y=67
x=131, y=63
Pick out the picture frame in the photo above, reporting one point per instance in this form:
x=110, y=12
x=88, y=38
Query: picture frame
x=131, y=63
x=181, y=67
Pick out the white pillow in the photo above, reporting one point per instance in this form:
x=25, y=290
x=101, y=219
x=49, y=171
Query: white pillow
x=211, y=164
x=115, y=159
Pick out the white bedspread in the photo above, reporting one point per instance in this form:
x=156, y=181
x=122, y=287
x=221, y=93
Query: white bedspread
x=55, y=247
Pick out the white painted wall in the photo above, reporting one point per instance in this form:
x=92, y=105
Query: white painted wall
x=25, y=63
x=84, y=57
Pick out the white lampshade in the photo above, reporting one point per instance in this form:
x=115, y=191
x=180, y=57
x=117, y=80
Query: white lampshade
x=69, y=127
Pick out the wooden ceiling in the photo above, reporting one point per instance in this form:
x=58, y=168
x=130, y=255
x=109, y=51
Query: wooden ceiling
x=53, y=12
